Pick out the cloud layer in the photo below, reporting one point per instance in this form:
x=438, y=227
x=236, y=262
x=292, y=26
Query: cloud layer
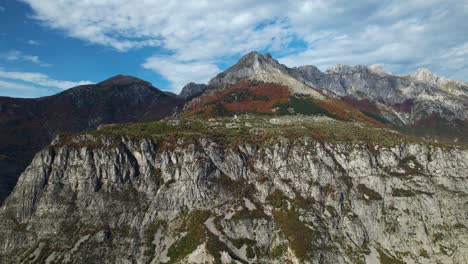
x=16, y=55
x=198, y=35
x=40, y=79
x=32, y=84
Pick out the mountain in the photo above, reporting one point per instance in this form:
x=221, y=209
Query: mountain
x=30, y=124
x=259, y=84
x=423, y=103
x=192, y=90
x=258, y=67
x=252, y=189
x=264, y=164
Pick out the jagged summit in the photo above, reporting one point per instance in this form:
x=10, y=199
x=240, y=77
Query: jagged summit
x=258, y=67
x=347, y=69
x=121, y=80
x=426, y=76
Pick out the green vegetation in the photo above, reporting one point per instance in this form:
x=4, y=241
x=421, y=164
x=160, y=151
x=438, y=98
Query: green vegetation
x=149, y=237
x=388, y=259
x=423, y=253
x=408, y=193
x=278, y=251
x=237, y=188
x=196, y=234
x=251, y=248
x=278, y=199
x=302, y=238
x=376, y=117
x=227, y=130
x=245, y=213
x=371, y=194
x=410, y=165
x=302, y=106
x=220, y=110
x=243, y=94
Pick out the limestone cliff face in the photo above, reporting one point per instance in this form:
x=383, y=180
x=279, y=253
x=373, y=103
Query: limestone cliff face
x=99, y=199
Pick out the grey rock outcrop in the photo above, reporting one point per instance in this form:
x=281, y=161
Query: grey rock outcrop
x=192, y=90
x=424, y=92
x=401, y=100
x=255, y=66
x=100, y=199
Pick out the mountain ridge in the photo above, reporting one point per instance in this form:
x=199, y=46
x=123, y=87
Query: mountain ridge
x=30, y=124
x=266, y=164
x=407, y=103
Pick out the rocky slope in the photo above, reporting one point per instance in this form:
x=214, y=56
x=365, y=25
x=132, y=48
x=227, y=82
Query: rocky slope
x=258, y=67
x=413, y=103
x=30, y=124
x=422, y=104
x=289, y=190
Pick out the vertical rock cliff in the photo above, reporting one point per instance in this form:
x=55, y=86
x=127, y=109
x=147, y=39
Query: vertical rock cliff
x=200, y=198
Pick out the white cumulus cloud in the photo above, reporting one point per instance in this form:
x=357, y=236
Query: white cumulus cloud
x=402, y=35
x=35, y=78
x=16, y=55
x=180, y=73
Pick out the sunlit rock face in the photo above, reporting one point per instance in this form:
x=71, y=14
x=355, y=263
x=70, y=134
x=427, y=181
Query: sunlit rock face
x=102, y=199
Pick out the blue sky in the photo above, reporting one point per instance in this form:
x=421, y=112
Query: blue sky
x=47, y=46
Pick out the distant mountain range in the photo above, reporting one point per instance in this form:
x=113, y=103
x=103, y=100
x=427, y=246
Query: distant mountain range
x=421, y=104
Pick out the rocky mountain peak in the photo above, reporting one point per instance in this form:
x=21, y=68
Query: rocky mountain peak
x=424, y=75
x=257, y=60
x=120, y=80
x=255, y=66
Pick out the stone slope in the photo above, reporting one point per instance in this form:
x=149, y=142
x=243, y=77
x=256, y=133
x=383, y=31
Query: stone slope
x=199, y=198
x=424, y=92
x=258, y=67
x=421, y=104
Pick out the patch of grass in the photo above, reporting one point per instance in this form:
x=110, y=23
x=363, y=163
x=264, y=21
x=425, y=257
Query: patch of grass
x=251, y=246
x=221, y=110
x=423, y=253
x=410, y=166
x=238, y=188
x=149, y=237
x=278, y=199
x=156, y=177
x=376, y=117
x=437, y=237
x=196, y=234
x=303, y=240
x=371, y=194
x=302, y=106
x=278, y=251
x=402, y=193
x=243, y=94
x=407, y=193
x=245, y=213
x=388, y=259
